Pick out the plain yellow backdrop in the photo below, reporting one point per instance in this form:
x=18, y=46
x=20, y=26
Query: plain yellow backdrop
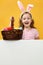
x=10, y=8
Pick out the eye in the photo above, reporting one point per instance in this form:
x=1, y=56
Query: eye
x=28, y=18
x=24, y=18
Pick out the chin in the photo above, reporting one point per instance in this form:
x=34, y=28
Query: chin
x=27, y=26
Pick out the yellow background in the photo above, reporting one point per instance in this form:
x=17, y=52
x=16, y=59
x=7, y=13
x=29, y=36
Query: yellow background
x=10, y=8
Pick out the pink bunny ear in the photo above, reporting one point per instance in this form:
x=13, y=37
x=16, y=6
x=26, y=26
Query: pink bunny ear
x=20, y=5
x=29, y=7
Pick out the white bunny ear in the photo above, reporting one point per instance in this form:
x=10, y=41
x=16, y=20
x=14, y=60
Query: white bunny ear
x=29, y=7
x=20, y=5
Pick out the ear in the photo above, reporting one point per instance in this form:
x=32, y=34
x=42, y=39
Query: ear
x=20, y=5
x=29, y=7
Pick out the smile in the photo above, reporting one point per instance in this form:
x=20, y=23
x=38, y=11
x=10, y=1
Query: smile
x=26, y=22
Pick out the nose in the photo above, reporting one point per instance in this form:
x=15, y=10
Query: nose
x=26, y=19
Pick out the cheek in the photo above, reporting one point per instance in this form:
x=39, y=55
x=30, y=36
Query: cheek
x=29, y=21
x=23, y=21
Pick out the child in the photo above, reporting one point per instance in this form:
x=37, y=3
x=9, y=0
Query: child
x=27, y=23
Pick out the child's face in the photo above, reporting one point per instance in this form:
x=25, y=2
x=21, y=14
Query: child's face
x=26, y=20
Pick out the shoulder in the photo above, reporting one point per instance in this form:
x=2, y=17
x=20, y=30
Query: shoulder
x=35, y=30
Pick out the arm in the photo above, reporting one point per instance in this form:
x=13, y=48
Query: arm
x=36, y=35
x=37, y=38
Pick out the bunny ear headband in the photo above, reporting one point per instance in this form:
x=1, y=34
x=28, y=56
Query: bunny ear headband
x=28, y=9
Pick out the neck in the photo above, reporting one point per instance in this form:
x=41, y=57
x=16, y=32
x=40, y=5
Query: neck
x=28, y=28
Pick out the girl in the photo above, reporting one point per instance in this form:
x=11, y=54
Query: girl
x=27, y=23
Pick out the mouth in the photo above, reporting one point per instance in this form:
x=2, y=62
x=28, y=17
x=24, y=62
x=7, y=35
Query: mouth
x=26, y=22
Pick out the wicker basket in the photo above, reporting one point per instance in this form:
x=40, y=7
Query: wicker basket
x=14, y=34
